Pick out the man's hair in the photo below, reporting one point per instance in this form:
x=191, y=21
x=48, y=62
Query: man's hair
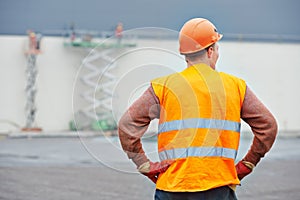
x=199, y=54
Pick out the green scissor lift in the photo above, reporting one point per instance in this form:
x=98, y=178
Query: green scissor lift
x=85, y=118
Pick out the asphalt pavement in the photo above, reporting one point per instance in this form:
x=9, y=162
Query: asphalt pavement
x=96, y=168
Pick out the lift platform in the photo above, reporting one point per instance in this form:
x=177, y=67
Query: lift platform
x=31, y=73
x=85, y=44
x=99, y=64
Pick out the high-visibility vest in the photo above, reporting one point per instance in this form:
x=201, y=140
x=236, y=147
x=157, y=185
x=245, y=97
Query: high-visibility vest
x=199, y=128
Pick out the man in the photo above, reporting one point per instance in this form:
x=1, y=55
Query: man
x=199, y=112
x=119, y=32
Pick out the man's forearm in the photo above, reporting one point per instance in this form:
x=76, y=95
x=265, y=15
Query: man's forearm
x=263, y=125
x=134, y=124
x=129, y=135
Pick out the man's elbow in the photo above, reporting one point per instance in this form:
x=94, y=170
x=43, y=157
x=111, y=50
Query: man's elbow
x=274, y=126
x=273, y=129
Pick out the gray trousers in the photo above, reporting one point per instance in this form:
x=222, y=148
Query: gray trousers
x=221, y=193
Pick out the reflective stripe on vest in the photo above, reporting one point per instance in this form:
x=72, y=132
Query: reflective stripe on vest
x=198, y=152
x=199, y=123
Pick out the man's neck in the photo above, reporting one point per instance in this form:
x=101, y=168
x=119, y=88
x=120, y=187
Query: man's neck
x=189, y=63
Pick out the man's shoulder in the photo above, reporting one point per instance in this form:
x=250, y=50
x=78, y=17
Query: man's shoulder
x=163, y=79
x=231, y=77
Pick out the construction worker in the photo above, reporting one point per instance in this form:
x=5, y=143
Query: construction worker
x=119, y=32
x=199, y=112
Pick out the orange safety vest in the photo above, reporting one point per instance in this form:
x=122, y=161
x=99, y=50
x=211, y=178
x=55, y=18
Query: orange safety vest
x=199, y=128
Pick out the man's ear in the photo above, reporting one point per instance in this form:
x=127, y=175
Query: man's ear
x=210, y=52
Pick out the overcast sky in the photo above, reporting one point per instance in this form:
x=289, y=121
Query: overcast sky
x=230, y=16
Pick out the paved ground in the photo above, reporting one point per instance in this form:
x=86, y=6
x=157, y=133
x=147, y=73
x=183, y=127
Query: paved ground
x=95, y=168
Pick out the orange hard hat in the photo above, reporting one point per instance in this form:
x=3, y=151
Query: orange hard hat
x=197, y=34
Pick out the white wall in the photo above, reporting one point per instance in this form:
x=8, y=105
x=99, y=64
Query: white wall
x=56, y=71
x=12, y=80
x=270, y=69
